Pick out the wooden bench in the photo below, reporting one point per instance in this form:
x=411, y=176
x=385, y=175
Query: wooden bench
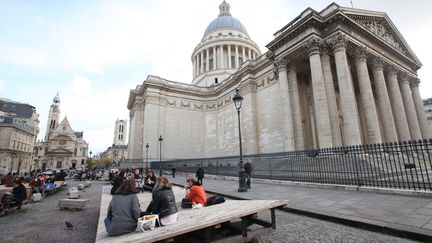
x=191, y=220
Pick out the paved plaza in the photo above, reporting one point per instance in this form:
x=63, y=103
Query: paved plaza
x=406, y=213
x=44, y=222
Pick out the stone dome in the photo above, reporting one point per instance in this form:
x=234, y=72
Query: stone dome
x=225, y=21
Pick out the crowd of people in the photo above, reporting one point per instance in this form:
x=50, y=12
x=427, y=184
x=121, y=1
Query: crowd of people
x=124, y=209
x=37, y=181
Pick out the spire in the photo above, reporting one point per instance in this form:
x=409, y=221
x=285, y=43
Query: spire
x=224, y=8
x=56, y=100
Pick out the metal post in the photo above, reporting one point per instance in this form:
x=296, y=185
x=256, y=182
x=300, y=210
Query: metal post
x=160, y=155
x=147, y=147
x=242, y=173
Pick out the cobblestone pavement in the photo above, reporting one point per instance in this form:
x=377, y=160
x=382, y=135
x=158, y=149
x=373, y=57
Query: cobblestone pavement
x=297, y=228
x=44, y=222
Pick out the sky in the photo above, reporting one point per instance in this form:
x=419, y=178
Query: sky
x=94, y=51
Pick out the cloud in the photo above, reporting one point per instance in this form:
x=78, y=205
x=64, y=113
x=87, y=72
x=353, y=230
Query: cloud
x=82, y=86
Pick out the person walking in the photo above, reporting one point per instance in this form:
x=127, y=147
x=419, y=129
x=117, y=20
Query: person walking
x=248, y=172
x=200, y=174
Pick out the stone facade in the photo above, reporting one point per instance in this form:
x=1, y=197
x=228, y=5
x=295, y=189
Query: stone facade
x=428, y=110
x=120, y=132
x=63, y=148
x=338, y=77
x=19, y=127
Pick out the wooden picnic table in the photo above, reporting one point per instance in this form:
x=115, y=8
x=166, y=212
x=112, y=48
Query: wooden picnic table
x=191, y=220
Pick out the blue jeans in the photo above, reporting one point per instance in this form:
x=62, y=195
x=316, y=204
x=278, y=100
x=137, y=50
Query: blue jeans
x=248, y=180
x=107, y=221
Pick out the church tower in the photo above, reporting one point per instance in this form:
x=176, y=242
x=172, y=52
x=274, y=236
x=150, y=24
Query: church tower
x=53, y=116
x=120, y=132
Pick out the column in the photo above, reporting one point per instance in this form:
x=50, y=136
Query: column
x=418, y=103
x=331, y=98
x=236, y=57
x=201, y=62
x=214, y=58
x=296, y=109
x=410, y=110
x=367, y=98
x=222, y=57
x=397, y=105
x=387, y=120
x=207, y=60
x=243, y=54
x=195, y=66
x=229, y=57
x=346, y=92
x=285, y=104
x=322, y=117
x=249, y=54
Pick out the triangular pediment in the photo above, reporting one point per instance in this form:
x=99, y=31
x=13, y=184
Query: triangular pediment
x=60, y=151
x=64, y=128
x=380, y=25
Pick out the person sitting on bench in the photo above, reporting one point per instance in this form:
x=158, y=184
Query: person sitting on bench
x=18, y=195
x=37, y=186
x=163, y=202
x=123, y=210
x=196, y=192
x=149, y=181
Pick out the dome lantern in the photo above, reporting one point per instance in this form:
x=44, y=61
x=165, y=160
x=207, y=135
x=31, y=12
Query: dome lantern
x=224, y=8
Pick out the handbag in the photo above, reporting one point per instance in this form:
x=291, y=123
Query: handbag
x=148, y=222
x=186, y=203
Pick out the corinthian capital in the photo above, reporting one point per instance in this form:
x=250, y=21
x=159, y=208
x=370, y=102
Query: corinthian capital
x=414, y=83
x=378, y=63
x=361, y=53
x=281, y=64
x=338, y=42
x=403, y=78
x=313, y=45
x=392, y=70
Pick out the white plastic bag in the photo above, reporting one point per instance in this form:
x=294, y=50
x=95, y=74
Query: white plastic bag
x=148, y=222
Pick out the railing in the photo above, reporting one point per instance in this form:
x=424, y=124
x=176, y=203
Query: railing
x=402, y=165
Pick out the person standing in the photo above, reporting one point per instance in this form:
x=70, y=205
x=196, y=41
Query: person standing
x=173, y=169
x=200, y=174
x=248, y=172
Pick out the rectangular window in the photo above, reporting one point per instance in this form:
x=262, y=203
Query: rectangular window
x=232, y=61
x=211, y=64
x=240, y=61
x=205, y=67
x=75, y=151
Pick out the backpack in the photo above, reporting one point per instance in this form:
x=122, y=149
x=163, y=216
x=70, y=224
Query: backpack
x=215, y=199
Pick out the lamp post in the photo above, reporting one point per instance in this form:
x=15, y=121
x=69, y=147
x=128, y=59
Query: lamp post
x=147, y=147
x=160, y=155
x=237, y=99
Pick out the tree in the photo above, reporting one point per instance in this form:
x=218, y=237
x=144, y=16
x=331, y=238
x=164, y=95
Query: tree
x=89, y=163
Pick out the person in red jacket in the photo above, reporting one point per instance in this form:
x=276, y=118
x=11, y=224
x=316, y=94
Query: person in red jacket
x=196, y=192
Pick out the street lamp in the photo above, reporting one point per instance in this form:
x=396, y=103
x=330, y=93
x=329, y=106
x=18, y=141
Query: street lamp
x=160, y=155
x=147, y=147
x=242, y=175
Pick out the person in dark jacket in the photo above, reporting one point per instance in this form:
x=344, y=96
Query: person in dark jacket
x=117, y=181
x=149, y=181
x=200, y=174
x=18, y=195
x=163, y=202
x=248, y=171
x=123, y=210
